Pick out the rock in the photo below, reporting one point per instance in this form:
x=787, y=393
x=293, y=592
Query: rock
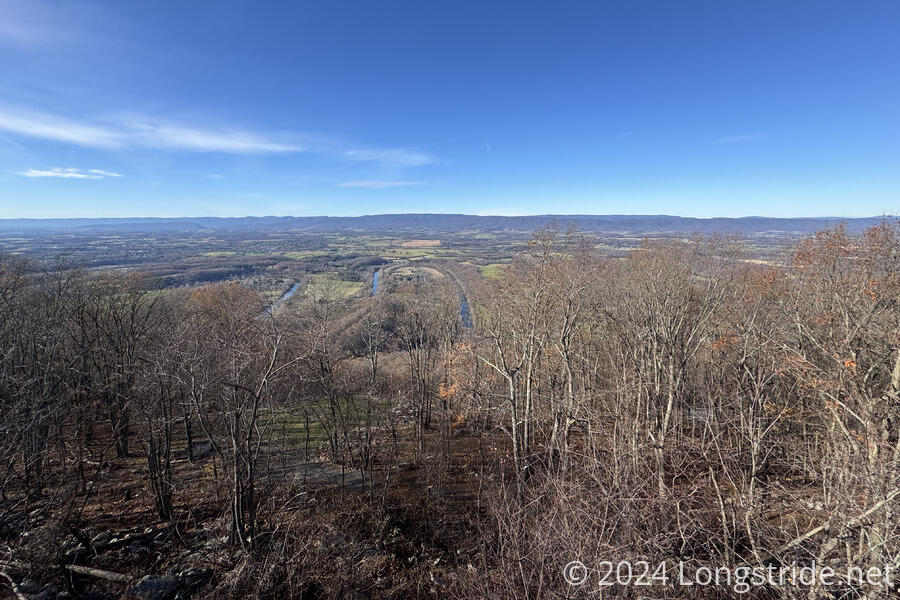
x=102, y=539
x=213, y=545
x=135, y=550
x=152, y=587
x=201, y=535
x=50, y=592
x=29, y=586
x=193, y=578
x=195, y=573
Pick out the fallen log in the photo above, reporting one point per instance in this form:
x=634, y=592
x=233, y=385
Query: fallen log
x=100, y=573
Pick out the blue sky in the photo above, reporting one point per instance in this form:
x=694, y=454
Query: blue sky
x=329, y=107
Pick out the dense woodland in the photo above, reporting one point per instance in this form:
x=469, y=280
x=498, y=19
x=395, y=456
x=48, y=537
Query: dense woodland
x=680, y=404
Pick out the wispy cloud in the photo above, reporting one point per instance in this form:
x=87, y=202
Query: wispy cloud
x=50, y=127
x=737, y=139
x=378, y=184
x=61, y=173
x=624, y=134
x=389, y=157
x=137, y=131
x=178, y=137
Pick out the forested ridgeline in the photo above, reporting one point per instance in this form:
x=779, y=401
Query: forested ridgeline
x=684, y=404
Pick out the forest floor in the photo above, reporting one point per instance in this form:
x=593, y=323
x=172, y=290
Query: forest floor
x=374, y=533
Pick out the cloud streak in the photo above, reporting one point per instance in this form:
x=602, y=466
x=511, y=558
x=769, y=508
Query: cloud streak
x=138, y=132
x=377, y=185
x=389, y=157
x=49, y=127
x=168, y=136
x=142, y=132
x=61, y=173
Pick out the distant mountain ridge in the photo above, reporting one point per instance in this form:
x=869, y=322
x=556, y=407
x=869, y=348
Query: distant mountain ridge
x=424, y=222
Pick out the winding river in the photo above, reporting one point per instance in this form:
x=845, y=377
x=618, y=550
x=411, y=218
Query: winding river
x=465, y=314
x=283, y=297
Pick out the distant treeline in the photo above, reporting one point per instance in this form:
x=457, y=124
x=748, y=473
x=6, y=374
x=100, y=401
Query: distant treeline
x=449, y=223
